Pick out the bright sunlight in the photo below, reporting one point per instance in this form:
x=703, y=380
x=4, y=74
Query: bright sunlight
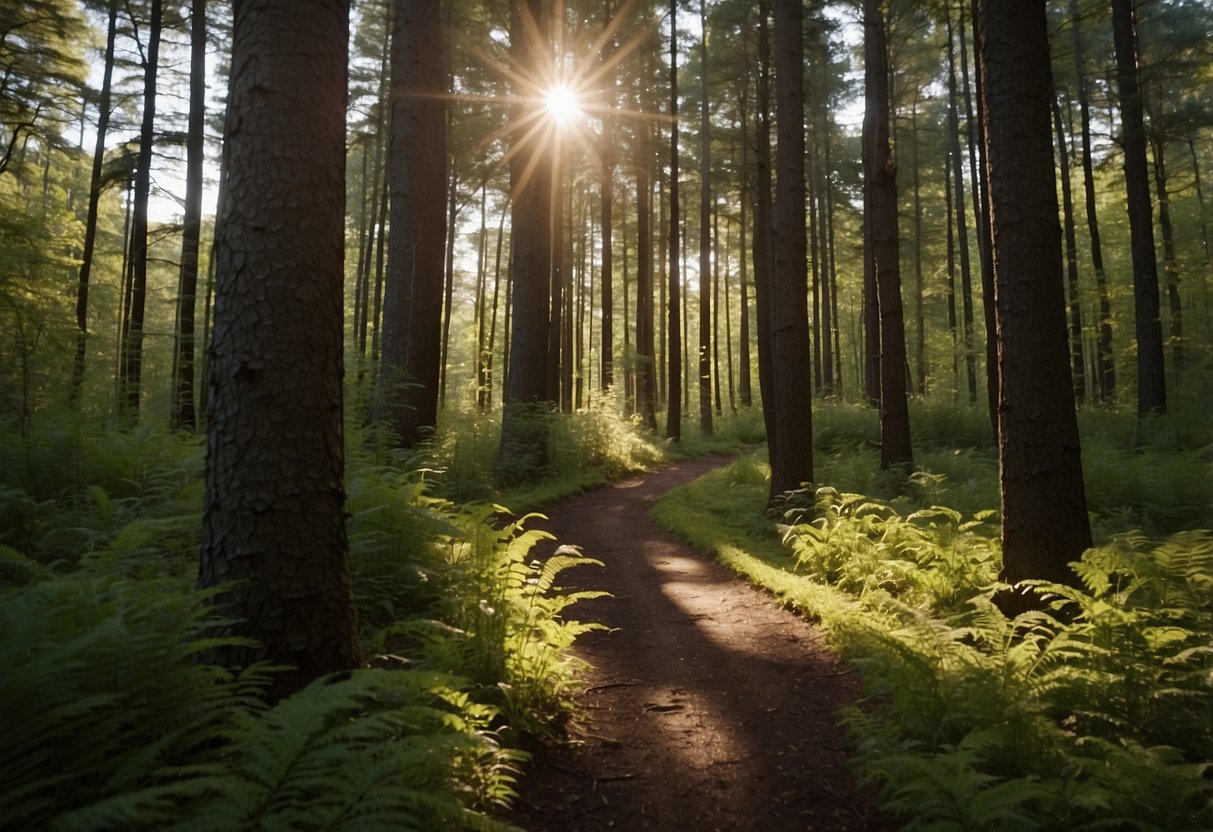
x=563, y=105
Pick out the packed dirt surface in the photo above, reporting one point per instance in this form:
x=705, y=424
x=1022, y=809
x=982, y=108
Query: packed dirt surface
x=706, y=706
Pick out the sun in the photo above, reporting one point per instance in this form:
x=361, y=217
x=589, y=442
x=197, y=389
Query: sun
x=562, y=104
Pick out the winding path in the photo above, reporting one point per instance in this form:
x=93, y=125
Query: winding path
x=707, y=705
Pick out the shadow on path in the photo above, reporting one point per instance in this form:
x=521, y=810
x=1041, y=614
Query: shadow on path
x=707, y=705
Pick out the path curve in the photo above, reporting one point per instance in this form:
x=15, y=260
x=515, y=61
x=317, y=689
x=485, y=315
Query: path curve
x=707, y=705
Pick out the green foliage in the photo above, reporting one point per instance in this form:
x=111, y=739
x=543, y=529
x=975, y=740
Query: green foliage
x=1095, y=715
x=111, y=722
x=584, y=449
x=927, y=558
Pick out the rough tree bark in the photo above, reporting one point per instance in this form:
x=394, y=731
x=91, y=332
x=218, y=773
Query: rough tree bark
x=274, y=519
x=411, y=352
x=792, y=454
x=1044, y=510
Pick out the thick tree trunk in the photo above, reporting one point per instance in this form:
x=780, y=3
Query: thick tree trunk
x=1044, y=510
x=273, y=529
x=881, y=184
x=792, y=455
x=524, y=428
x=411, y=352
x=1151, y=380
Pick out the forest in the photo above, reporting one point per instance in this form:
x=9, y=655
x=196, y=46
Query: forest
x=311, y=311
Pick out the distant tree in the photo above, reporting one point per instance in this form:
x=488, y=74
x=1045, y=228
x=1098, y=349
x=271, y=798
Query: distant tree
x=881, y=244
x=1151, y=380
x=84, y=277
x=705, y=233
x=130, y=373
x=763, y=300
x=184, y=413
x=417, y=173
x=673, y=421
x=1105, y=358
x=273, y=532
x=524, y=432
x=792, y=453
x=1044, y=509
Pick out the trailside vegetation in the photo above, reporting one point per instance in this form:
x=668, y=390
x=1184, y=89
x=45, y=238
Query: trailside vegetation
x=1091, y=713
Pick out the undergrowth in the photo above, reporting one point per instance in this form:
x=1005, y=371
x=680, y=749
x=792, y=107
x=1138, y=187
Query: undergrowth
x=110, y=722
x=1096, y=715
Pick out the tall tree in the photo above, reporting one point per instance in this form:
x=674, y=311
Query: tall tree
x=763, y=287
x=524, y=419
x=104, y=111
x=673, y=414
x=792, y=453
x=131, y=364
x=412, y=299
x=1104, y=357
x=1151, y=381
x=705, y=232
x=962, y=225
x=1077, y=361
x=184, y=415
x=880, y=239
x=273, y=532
x=1044, y=510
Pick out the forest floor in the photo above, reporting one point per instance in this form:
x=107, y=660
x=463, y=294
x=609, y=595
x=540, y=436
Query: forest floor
x=706, y=705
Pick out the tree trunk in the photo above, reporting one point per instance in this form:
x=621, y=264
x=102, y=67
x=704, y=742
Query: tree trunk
x=744, y=368
x=962, y=225
x=94, y=198
x=792, y=455
x=1170, y=267
x=920, y=341
x=184, y=415
x=673, y=421
x=764, y=303
x=705, y=234
x=881, y=184
x=411, y=350
x=981, y=214
x=646, y=369
x=524, y=428
x=1077, y=362
x=273, y=532
x=1151, y=380
x=607, y=377
x=131, y=374
x=1044, y=510
x=1105, y=356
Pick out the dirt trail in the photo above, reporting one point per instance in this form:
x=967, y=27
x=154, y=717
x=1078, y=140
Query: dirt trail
x=708, y=707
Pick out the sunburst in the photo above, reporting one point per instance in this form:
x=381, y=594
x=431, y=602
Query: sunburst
x=557, y=98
